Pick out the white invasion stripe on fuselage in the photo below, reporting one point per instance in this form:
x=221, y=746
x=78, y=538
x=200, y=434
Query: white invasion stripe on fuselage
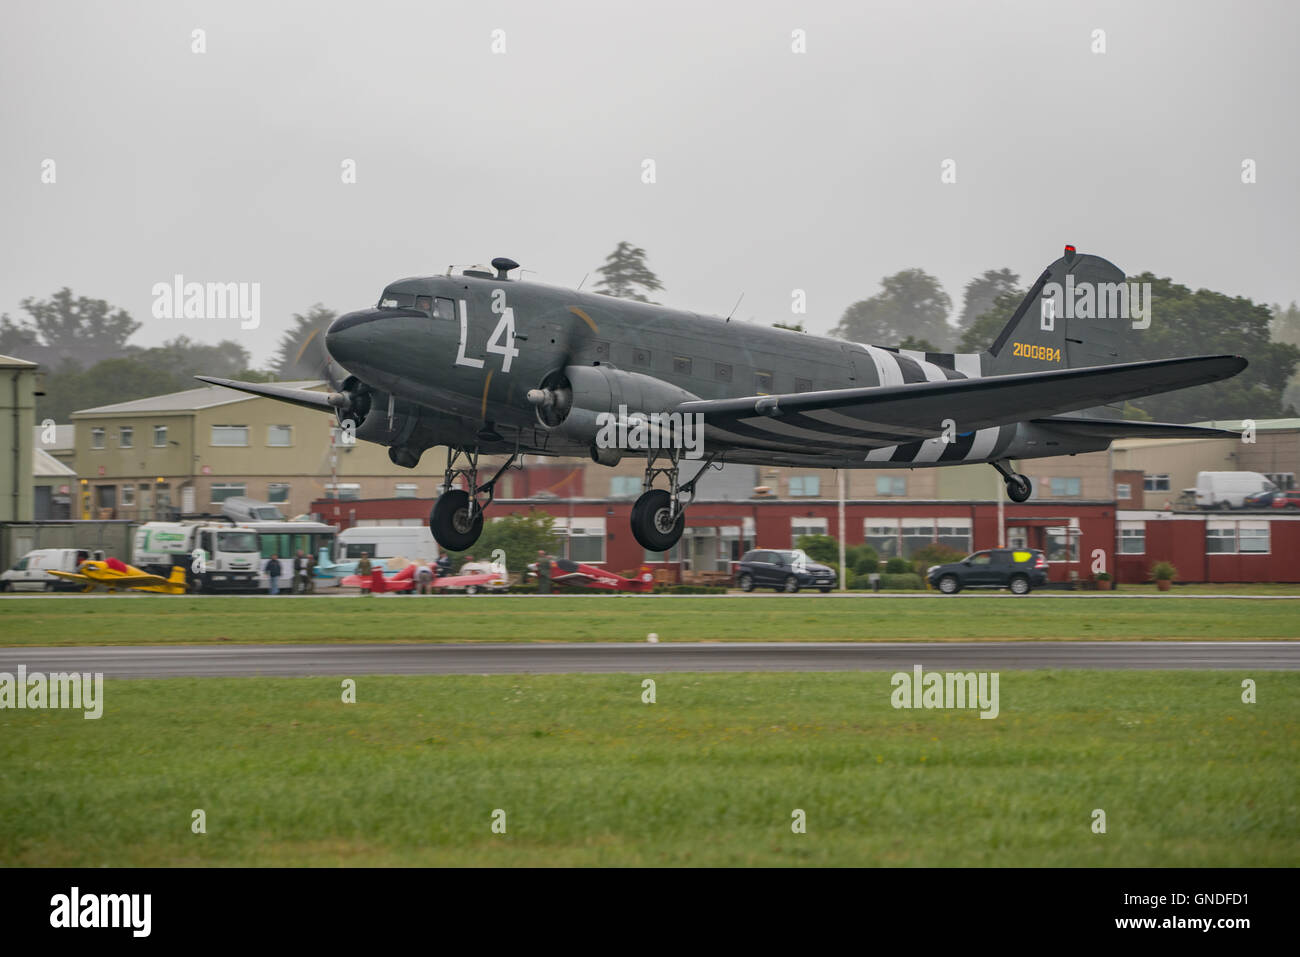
x=968, y=364
x=887, y=370
x=932, y=372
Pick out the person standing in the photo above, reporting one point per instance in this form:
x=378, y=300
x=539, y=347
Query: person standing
x=543, y=572
x=424, y=577
x=299, y=573
x=363, y=571
x=273, y=572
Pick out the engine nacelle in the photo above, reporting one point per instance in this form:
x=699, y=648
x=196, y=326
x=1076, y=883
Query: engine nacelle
x=572, y=400
x=384, y=419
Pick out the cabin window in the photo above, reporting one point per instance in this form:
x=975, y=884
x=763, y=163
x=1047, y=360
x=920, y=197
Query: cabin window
x=424, y=303
x=803, y=385
x=641, y=357
x=444, y=308
x=682, y=365
x=722, y=371
x=601, y=350
x=763, y=381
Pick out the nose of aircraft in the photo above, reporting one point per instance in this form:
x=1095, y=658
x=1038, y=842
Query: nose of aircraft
x=347, y=336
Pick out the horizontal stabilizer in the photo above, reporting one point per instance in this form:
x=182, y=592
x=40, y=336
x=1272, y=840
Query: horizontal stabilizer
x=1126, y=429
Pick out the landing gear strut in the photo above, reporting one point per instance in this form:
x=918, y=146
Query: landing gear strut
x=1019, y=488
x=457, y=517
x=659, y=515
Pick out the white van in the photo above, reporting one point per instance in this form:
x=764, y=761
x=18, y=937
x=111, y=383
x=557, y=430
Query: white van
x=31, y=571
x=387, y=541
x=1229, y=489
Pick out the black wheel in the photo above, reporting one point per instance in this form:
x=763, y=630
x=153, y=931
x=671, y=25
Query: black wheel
x=824, y=591
x=1019, y=489
x=6, y=586
x=949, y=585
x=471, y=589
x=450, y=523
x=1019, y=585
x=746, y=582
x=790, y=585
x=652, y=525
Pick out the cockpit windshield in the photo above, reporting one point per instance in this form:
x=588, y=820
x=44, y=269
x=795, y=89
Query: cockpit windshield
x=397, y=300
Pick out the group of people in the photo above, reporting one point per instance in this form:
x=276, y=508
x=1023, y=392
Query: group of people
x=303, y=569
x=424, y=572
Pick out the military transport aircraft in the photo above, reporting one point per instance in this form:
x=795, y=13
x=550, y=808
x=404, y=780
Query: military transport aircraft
x=484, y=364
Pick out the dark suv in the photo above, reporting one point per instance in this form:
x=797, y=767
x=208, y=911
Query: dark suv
x=786, y=569
x=1020, y=569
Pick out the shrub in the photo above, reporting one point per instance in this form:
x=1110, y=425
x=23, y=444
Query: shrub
x=909, y=581
x=1164, y=571
x=935, y=555
x=862, y=559
x=898, y=566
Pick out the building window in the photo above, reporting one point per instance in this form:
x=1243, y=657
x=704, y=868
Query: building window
x=1065, y=487
x=1132, y=538
x=277, y=492
x=585, y=536
x=763, y=381
x=160, y=436
x=279, y=436
x=230, y=435
x=953, y=532
x=806, y=526
x=891, y=485
x=917, y=533
x=224, y=490
x=346, y=491
x=1155, y=483
x=1017, y=536
x=624, y=486
x=97, y=438
x=682, y=365
x=672, y=555
x=1252, y=538
x=882, y=535
x=126, y=437
x=805, y=485
x=128, y=496
x=1220, y=537
x=1285, y=481
x=803, y=385
x=1123, y=491
x=406, y=490
x=1063, y=544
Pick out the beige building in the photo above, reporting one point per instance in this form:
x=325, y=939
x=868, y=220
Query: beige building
x=184, y=453
x=18, y=387
x=1171, y=465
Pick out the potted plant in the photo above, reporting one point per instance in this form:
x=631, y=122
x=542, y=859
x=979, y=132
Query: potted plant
x=1103, y=581
x=1164, y=574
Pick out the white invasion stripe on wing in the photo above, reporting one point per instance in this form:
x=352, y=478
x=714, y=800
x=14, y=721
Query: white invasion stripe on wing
x=831, y=417
x=779, y=428
x=930, y=450
x=881, y=455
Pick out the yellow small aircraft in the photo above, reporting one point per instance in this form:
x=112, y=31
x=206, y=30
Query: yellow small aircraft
x=115, y=573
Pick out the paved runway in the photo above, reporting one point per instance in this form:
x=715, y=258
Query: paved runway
x=160, y=661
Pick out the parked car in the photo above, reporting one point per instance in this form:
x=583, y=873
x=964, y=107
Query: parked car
x=1259, y=500
x=1287, y=499
x=785, y=569
x=1019, y=569
x=32, y=570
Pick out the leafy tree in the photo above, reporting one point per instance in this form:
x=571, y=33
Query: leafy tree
x=979, y=335
x=820, y=548
x=1285, y=324
x=918, y=345
x=302, y=352
x=626, y=275
x=982, y=292
x=104, y=383
x=911, y=303
x=186, y=358
x=1204, y=322
x=17, y=340
x=519, y=536
x=62, y=330
x=863, y=559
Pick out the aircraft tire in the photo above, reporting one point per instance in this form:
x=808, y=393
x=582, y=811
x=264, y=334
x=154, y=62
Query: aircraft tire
x=448, y=521
x=649, y=527
x=1020, y=490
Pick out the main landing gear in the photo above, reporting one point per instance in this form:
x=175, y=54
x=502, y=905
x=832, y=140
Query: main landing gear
x=457, y=517
x=1019, y=488
x=659, y=515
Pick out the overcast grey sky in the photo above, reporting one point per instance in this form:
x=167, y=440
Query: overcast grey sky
x=775, y=170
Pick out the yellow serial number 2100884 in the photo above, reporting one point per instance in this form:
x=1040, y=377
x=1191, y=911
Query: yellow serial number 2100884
x=1027, y=351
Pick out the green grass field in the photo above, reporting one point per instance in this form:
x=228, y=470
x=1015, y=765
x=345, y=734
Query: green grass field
x=709, y=775
x=172, y=620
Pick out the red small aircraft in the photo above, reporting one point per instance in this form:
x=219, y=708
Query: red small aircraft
x=590, y=576
x=404, y=580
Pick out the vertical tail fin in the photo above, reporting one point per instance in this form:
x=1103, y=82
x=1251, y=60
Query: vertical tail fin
x=1079, y=312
